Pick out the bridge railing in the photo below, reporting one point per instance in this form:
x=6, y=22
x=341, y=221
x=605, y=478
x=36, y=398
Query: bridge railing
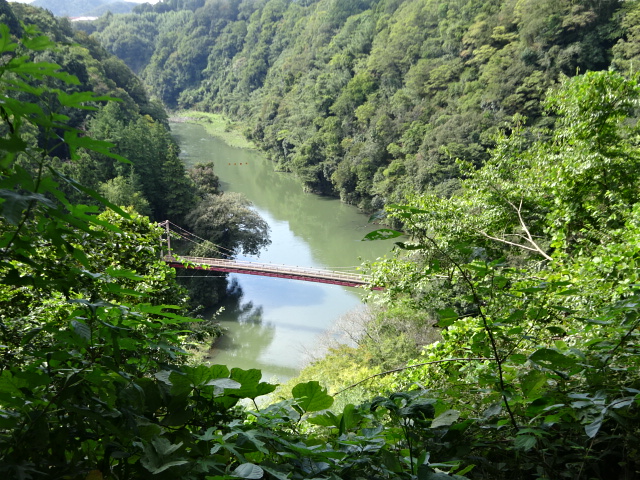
x=273, y=268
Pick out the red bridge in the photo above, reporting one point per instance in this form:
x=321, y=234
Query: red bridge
x=308, y=274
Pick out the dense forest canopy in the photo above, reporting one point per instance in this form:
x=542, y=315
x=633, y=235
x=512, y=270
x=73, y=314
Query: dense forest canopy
x=370, y=100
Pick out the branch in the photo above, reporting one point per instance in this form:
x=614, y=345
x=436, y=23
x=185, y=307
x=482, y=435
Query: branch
x=502, y=240
x=407, y=368
x=526, y=230
x=528, y=237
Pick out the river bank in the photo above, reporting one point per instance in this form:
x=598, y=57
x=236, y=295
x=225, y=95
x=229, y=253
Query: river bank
x=217, y=126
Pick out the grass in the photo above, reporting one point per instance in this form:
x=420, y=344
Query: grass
x=217, y=126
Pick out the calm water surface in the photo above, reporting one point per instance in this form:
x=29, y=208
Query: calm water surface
x=272, y=322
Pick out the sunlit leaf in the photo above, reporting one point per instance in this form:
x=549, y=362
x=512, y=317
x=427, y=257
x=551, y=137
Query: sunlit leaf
x=447, y=316
x=248, y=471
x=382, y=234
x=311, y=397
x=445, y=419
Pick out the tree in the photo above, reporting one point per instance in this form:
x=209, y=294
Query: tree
x=162, y=177
x=532, y=260
x=75, y=317
x=125, y=191
x=205, y=179
x=228, y=221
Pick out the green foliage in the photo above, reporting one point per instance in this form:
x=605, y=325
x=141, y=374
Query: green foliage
x=160, y=175
x=205, y=179
x=93, y=382
x=530, y=272
x=539, y=336
x=227, y=219
x=372, y=101
x=125, y=191
x=130, y=40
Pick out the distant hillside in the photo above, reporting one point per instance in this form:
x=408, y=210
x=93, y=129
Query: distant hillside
x=372, y=100
x=113, y=7
x=79, y=8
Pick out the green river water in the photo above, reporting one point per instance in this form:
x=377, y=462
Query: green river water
x=273, y=323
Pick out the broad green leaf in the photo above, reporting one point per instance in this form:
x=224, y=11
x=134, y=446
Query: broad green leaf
x=327, y=419
x=41, y=42
x=552, y=359
x=6, y=45
x=593, y=428
x=275, y=473
x=252, y=436
x=78, y=99
x=11, y=383
x=383, y=234
x=15, y=203
x=203, y=375
x=518, y=359
x=154, y=458
x=122, y=273
x=419, y=409
x=448, y=316
x=163, y=376
x=208, y=435
x=493, y=410
x=81, y=329
x=224, y=383
x=165, y=466
x=219, y=371
x=251, y=387
x=525, y=442
x=164, y=447
x=311, y=397
x=248, y=471
x=12, y=144
x=516, y=316
x=180, y=383
x=445, y=419
x=349, y=418
x=532, y=382
x=74, y=141
x=30, y=335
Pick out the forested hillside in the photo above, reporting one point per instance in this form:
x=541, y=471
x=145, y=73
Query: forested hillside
x=370, y=100
x=154, y=180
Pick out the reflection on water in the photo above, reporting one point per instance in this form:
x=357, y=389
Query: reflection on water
x=271, y=322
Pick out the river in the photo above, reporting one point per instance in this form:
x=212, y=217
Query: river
x=273, y=323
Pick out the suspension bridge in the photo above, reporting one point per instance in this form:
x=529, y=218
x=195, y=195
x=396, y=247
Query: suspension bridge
x=348, y=277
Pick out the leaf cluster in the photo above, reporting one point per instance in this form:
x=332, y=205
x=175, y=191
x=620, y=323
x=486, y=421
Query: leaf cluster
x=539, y=334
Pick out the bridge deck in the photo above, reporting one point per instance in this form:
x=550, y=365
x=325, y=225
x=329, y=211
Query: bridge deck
x=308, y=274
